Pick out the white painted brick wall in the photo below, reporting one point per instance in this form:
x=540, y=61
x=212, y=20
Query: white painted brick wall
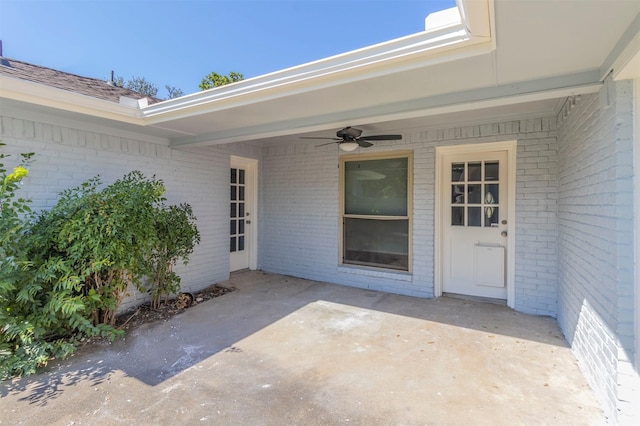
x=68, y=153
x=300, y=187
x=595, y=155
x=298, y=197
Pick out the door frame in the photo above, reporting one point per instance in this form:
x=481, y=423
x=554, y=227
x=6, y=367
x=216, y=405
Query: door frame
x=251, y=166
x=441, y=152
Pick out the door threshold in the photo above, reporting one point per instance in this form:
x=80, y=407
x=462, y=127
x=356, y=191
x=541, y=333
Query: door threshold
x=476, y=298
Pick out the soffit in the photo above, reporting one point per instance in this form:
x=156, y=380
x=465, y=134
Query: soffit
x=543, y=49
x=539, y=39
x=347, y=99
x=440, y=120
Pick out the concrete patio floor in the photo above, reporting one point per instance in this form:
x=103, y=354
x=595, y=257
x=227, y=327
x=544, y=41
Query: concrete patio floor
x=282, y=350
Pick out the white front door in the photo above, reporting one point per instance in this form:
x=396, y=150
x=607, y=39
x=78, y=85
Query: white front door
x=242, y=214
x=474, y=202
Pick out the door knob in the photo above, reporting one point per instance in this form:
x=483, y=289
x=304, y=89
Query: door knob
x=503, y=233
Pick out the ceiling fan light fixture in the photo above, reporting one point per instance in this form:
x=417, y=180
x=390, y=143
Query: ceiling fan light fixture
x=349, y=139
x=348, y=146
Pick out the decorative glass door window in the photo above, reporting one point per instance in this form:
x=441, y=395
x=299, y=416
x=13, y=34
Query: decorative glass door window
x=237, y=222
x=474, y=193
x=376, y=206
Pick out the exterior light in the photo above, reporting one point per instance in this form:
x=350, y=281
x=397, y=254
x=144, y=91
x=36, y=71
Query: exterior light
x=348, y=146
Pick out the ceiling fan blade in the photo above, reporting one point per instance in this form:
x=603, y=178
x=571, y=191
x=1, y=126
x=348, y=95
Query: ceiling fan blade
x=383, y=138
x=318, y=137
x=364, y=143
x=324, y=144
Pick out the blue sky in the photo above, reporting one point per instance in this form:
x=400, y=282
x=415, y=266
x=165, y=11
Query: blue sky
x=177, y=43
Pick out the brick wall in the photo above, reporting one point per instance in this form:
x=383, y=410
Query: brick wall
x=299, y=197
x=69, y=152
x=299, y=200
x=595, y=159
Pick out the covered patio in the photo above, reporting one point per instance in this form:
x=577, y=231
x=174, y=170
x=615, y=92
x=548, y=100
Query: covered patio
x=283, y=350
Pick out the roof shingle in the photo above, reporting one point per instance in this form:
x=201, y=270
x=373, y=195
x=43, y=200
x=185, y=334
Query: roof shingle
x=74, y=83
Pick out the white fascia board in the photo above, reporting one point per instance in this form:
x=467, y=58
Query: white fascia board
x=478, y=17
x=300, y=79
x=553, y=88
x=443, y=44
x=43, y=95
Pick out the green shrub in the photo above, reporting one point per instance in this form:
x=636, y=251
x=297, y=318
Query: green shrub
x=177, y=235
x=104, y=237
x=64, y=274
x=26, y=332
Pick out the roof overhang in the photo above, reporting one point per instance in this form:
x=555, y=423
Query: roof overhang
x=414, y=51
x=479, y=59
x=46, y=96
x=270, y=105
x=496, y=54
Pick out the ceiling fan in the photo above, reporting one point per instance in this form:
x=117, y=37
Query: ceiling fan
x=349, y=139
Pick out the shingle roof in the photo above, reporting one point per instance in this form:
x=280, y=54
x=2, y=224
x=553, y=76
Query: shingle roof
x=62, y=80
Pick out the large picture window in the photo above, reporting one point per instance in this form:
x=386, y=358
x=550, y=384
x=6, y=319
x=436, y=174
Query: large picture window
x=376, y=206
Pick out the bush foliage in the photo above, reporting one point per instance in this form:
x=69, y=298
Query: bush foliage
x=65, y=271
x=177, y=235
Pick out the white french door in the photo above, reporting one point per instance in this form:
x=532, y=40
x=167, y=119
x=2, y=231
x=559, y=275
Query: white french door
x=242, y=208
x=475, y=222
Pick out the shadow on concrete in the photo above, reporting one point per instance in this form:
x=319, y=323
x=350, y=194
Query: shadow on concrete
x=156, y=352
x=40, y=389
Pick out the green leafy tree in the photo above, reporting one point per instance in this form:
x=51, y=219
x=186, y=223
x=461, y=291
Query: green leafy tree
x=215, y=80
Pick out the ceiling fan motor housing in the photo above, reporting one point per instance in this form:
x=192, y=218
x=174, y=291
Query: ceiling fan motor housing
x=349, y=133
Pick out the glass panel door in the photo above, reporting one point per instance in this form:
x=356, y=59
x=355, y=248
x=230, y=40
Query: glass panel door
x=242, y=211
x=237, y=209
x=474, y=245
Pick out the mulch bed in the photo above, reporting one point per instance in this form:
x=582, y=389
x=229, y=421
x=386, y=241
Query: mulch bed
x=144, y=314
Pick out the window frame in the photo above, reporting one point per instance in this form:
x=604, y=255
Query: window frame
x=408, y=154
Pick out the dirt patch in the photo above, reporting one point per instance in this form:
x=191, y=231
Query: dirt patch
x=144, y=314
